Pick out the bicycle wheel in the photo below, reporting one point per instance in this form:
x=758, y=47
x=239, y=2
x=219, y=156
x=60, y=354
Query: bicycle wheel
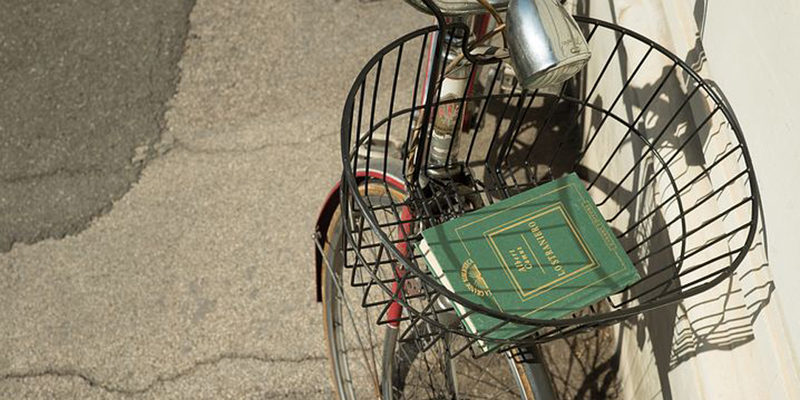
x=356, y=343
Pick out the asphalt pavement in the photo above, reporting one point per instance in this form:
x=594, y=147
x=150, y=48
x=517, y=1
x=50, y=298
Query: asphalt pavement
x=84, y=90
x=160, y=179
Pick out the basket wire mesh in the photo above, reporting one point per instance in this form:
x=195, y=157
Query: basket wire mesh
x=660, y=152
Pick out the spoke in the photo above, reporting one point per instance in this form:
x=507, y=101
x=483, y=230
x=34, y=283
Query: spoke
x=340, y=289
x=369, y=336
x=485, y=370
x=500, y=386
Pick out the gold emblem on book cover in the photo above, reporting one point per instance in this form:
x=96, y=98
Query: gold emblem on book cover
x=473, y=280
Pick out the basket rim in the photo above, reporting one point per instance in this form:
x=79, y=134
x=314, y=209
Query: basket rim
x=352, y=183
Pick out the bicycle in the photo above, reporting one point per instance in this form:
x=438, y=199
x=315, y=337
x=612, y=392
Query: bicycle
x=685, y=214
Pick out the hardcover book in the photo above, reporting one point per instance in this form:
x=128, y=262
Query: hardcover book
x=541, y=254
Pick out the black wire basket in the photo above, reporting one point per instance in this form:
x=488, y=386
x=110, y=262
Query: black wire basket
x=660, y=151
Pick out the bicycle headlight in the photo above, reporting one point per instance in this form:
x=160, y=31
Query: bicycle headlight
x=544, y=42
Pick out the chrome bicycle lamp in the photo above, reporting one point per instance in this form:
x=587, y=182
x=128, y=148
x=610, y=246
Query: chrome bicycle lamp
x=544, y=42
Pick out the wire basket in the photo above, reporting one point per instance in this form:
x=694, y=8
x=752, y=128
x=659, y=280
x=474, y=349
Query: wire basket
x=661, y=154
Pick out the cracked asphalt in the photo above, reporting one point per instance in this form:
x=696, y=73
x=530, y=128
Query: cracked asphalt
x=156, y=236
x=84, y=90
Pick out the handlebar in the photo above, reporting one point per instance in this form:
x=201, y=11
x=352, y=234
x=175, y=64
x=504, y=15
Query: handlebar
x=452, y=8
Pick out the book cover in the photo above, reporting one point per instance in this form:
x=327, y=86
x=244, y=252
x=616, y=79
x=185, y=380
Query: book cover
x=541, y=254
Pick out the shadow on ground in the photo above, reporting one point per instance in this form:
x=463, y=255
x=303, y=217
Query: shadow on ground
x=84, y=95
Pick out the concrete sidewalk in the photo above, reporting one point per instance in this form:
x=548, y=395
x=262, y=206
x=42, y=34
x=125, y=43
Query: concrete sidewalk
x=198, y=283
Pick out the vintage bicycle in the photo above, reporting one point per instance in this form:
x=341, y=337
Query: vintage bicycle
x=498, y=97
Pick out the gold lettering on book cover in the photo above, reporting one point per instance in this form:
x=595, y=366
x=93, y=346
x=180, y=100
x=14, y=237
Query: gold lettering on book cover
x=545, y=245
x=461, y=240
x=562, y=276
x=473, y=279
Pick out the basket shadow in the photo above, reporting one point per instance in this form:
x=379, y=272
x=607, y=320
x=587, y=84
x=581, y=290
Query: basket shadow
x=672, y=344
x=583, y=366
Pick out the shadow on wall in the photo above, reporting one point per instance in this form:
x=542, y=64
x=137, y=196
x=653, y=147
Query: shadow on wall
x=676, y=332
x=675, y=244
x=666, y=109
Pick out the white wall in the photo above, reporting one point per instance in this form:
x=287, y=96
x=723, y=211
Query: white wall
x=752, y=54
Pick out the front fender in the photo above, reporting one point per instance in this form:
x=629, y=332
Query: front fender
x=391, y=175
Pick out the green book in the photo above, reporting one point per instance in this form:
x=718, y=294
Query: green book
x=541, y=254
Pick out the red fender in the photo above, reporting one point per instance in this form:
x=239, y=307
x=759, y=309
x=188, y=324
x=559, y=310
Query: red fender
x=329, y=206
